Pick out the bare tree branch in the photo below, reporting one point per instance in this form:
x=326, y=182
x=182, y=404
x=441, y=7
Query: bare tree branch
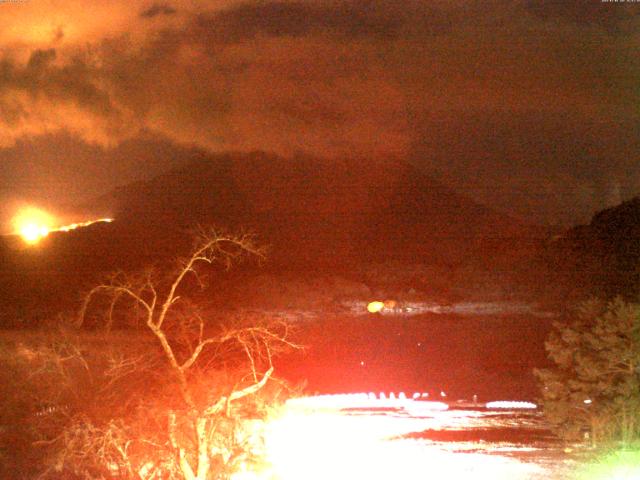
x=196, y=352
x=238, y=394
x=182, y=336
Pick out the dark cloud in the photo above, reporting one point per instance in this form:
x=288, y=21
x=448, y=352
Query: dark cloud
x=61, y=173
x=158, y=9
x=496, y=91
x=609, y=15
x=44, y=95
x=296, y=19
x=70, y=81
x=547, y=165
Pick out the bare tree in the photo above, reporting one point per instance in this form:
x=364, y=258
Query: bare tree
x=190, y=344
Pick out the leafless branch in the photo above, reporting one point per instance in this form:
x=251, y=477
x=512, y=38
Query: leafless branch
x=238, y=394
x=180, y=331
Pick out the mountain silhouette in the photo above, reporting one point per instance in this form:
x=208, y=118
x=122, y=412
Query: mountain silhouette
x=316, y=215
x=314, y=211
x=601, y=258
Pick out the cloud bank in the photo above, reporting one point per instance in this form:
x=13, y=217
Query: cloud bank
x=480, y=92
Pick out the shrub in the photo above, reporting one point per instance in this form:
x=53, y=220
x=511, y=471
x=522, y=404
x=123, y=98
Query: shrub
x=593, y=389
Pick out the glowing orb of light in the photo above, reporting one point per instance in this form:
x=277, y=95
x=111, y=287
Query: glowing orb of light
x=375, y=307
x=33, y=233
x=32, y=224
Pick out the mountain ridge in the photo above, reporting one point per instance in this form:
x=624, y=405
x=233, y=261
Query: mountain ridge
x=305, y=204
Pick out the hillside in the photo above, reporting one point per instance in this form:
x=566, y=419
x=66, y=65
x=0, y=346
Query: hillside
x=315, y=211
x=601, y=258
x=384, y=223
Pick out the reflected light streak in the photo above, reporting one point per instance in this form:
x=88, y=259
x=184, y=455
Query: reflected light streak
x=315, y=438
x=511, y=405
x=364, y=400
x=73, y=226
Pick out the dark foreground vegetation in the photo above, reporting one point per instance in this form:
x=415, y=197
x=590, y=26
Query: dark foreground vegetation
x=171, y=396
x=593, y=389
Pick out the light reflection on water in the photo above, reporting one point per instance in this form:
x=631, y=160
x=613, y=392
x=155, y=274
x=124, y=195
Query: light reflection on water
x=321, y=443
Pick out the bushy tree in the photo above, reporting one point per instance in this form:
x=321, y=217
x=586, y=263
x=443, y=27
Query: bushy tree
x=593, y=389
x=52, y=381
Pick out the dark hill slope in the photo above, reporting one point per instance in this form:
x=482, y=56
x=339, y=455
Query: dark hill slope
x=320, y=217
x=314, y=211
x=602, y=258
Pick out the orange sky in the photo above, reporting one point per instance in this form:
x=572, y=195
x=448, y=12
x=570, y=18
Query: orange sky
x=533, y=96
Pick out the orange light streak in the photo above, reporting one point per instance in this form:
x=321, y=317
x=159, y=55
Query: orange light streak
x=33, y=224
x=73, y=226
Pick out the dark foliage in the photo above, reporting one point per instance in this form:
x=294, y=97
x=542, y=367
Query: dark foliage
x=593, y=389
x=600, y=259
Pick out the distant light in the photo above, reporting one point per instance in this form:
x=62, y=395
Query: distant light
x=511, y=405
x=73, y=226
x=33, y=233
x=32, y=224
x=375, y=307
x=588, y=401
x=390, y=304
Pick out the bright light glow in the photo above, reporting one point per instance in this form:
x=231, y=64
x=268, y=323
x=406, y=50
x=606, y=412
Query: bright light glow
x=375, y=307
x=618, y=465
x=511, y=405
x=32, y=224
x=316, y=439
x=364, y=401
x=33, y=233
x=73, y=226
